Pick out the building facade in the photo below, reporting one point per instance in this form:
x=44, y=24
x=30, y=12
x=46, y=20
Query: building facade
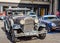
x=54, y=6
x=41, y=7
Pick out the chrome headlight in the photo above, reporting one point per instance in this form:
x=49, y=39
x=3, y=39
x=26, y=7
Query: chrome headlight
x=53, y=24
x=36, y=20
x=22, y=22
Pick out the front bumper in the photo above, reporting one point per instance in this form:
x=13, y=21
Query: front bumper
x=56, y=28
x=33, y=33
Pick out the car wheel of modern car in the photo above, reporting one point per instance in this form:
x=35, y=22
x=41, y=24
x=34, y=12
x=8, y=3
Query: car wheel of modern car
x=42, y=36
x=48, y=29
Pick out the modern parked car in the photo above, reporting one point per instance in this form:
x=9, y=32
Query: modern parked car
x=51, y=22
x=19, y=24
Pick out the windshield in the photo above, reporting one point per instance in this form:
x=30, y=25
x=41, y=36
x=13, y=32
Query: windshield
x=32, y=14
x=49, y=18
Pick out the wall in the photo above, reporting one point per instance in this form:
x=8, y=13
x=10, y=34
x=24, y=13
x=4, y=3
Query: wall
x=13, y=1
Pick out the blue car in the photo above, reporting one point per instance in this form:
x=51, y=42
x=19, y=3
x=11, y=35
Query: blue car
x=51, y=22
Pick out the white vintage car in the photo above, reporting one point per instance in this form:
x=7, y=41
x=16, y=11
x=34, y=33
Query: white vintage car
x=19, y=24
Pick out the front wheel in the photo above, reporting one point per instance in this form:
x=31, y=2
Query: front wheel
x=13, y=37
x=42, y=36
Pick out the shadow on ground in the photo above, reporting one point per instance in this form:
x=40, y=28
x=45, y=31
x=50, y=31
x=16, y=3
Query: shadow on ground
x=53, y=32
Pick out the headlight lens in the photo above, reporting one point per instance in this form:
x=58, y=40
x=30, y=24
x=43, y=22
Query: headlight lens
x=36, y=20
x=53, y=24
x=22, y=22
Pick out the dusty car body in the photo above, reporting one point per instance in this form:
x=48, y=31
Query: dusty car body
x=51, y=21
x=19, y=24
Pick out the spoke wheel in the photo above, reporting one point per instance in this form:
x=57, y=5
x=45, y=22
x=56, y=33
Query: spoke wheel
x=42, y=36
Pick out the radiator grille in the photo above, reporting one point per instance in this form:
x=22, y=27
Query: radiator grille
x=29, y=25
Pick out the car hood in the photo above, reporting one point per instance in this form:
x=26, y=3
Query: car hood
x=17, y=19
x=52, y=21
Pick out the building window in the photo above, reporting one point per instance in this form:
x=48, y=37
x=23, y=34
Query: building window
x=45, y=0
x=14, y=7
x=5, y=7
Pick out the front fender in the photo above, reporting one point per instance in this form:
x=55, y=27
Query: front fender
x=42, y=25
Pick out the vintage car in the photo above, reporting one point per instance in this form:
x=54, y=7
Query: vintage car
x=51, y=22
x=18, y=24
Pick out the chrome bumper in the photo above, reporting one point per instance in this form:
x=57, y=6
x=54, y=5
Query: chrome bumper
x=56, y=28
x=33, y=33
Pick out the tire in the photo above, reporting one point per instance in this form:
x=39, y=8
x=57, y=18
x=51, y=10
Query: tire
x=13, y=37
x=42, y=36
x=48, y=29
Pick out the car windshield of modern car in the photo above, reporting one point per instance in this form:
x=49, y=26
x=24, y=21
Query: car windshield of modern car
x=49, y=18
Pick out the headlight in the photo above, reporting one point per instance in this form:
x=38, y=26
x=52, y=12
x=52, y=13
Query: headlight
x=53, y=24
x=22, y=22
x=36, y=20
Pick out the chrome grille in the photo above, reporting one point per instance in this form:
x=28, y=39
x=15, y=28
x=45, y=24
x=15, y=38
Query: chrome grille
x=29, y=25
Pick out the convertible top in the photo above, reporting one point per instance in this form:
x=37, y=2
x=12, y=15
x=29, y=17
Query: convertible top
x=12, y=9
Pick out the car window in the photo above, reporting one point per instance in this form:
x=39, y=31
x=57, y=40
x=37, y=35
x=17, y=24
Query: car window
x=47, y=18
